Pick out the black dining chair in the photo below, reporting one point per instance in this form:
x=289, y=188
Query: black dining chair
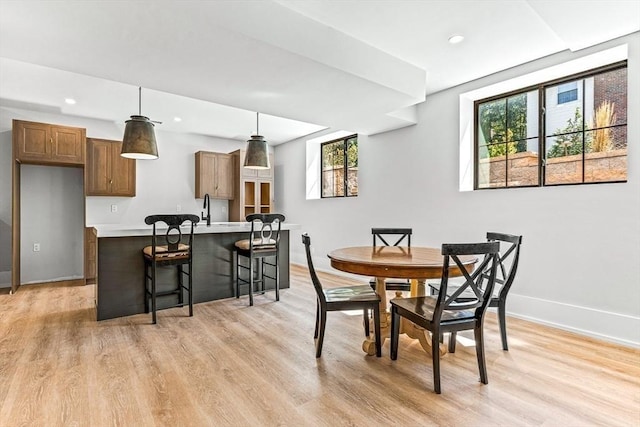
x=342, y=298
x=170, y=248
x=444, y=313
x=507, y=268
x=392, y=237
x=263, y=243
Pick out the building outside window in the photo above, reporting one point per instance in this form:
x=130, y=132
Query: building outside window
x=339, y=159
x=579, y=124
x=567, y=92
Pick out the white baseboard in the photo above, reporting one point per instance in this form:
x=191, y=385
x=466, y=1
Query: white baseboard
x=605, y=325
x=614, y=327
x=57, y=279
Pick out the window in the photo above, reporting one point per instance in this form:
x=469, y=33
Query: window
x=567, y=92
x=579, y=123
x=339, y=160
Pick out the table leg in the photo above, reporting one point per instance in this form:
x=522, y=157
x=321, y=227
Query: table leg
x=418, y=288
x=369, y=344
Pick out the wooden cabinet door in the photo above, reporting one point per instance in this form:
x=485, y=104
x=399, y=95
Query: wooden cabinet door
x=205, y=173
x=32, y=141
x=42, y=143
x=67, y=145
x=123, y=173
x=224, y=176
x=98, y=169
x=107, y=173
x=214, y=175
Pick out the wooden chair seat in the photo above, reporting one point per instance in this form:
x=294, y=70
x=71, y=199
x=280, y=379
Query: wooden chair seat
x=351, y=293
x=258, y=244
x=425, y=306
x=162, y=252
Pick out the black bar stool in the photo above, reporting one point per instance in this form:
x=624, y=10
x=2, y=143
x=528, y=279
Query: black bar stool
x=263, y=242
x=169, y=249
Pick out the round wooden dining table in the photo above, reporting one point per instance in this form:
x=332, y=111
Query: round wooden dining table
x=398, y=262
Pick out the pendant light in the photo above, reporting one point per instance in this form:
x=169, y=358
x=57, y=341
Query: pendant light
x=139, y=141
x=257, y=154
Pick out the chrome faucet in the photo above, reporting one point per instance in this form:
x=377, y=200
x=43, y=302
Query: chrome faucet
x=207, y=205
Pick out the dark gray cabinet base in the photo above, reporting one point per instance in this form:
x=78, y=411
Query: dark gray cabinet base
x=120, y=280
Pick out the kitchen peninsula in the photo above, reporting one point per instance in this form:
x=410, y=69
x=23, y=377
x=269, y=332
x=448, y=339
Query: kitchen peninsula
x=120, y=266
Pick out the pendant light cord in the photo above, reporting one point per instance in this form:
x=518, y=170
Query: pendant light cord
x=257, y=124
x=139, y=100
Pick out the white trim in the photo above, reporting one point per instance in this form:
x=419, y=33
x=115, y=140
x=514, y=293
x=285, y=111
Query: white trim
x=313, y=183
x=614, y=327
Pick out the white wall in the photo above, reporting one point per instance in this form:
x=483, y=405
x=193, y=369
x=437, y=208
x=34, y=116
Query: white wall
x=580, y=263
x=52, y=215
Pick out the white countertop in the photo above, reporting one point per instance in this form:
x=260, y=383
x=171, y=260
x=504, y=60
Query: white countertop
x=124, y=230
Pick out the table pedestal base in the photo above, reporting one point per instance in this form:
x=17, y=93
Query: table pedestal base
x=406, y=326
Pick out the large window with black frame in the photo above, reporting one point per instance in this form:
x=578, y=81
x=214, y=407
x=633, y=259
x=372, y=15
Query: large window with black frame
x=578, y=123
x=339, y=160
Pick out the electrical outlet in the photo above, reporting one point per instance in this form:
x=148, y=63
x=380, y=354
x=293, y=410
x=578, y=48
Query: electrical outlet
x=178, y=208
x=224, y=209
x=114, y=208
x=36, y=247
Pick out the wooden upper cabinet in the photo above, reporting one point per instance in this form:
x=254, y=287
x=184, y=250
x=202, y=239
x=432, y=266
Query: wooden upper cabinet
x=214, y=175
x=107, y=173
x=43, y=143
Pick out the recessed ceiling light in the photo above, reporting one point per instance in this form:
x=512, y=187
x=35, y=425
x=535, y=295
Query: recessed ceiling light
x=456, y=38
x=70, y=101
x=177, y=119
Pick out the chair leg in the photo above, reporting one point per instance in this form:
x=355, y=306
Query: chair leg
x=482, y=366
x=452, y=342
x=190, y=289
x=315, y=333
x=237, y=275
x=180, y=285
x=323, y=324
x=376, y=327
x=146, y=288
x=502, y=315
x=365, y=321
x=251, y=272
x=277, y=278
x=395, y=332
x=435, y=357
x=153, y=293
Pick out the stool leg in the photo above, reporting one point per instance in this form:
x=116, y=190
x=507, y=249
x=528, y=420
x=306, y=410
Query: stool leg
x=146, y=287
x=153, y=293
x=190, y=289
x=237, y=274
x=180, y=285
x=250, y=281
x=277, y=278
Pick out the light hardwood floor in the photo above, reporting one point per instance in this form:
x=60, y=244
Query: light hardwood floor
x=235, y=365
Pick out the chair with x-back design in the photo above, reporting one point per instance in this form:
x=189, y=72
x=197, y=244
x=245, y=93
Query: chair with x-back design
x=444, y=313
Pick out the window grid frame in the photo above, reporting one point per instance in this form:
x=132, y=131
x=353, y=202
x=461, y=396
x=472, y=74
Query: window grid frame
x=345, y=166
x=542, y=131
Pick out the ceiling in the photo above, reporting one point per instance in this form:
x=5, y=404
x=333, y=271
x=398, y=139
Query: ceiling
x=356, y=65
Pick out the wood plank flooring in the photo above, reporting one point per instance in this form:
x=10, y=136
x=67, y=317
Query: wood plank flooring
x=235, y=365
